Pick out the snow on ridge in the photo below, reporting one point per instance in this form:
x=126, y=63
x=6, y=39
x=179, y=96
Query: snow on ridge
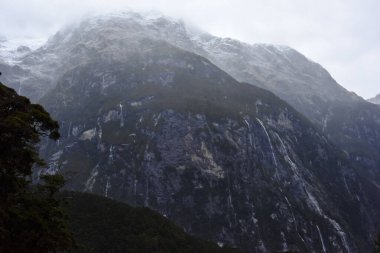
x=141, y=17
x=11, y=50
x=278, y=47
x=151, y=23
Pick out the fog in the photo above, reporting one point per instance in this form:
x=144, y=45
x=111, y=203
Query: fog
x=343, y=36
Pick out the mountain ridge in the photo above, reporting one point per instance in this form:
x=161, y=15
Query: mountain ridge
x=147, y=121
x=165, y=128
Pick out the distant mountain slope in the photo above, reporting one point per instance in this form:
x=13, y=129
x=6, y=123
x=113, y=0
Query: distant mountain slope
x=104, y=225
x=348, y=120
x=375, y=100
x=229, y=162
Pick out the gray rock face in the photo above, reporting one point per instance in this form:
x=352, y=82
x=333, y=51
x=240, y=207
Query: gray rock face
x=375, y=100
x=349, y=121
x=149, y=124
x=225, y=160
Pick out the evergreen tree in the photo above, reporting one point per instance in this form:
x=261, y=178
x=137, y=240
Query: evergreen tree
x=377, y=244
x=31, y=217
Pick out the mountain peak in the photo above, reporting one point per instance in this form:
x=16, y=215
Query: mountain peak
x=375, y=100
x=150, y=116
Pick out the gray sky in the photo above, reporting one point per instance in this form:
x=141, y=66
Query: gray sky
x=342, y=35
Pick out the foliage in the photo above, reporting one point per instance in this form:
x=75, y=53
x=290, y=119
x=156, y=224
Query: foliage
x=377, y=244
x=104, y=225
x=31, y=217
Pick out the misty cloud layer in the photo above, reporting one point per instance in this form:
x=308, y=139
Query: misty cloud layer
x=343, y=36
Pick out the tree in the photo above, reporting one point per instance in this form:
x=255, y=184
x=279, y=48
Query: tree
x=31, y=216
x=377, y=244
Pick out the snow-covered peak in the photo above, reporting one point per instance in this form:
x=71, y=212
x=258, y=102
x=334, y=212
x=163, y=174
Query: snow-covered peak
x=11, y=51
x=146, y=18
x=129, y=26
x=143, y=16
x=118, y=35
x=114, y=27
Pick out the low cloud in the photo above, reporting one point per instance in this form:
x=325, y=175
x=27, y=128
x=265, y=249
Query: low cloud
x=342, y=35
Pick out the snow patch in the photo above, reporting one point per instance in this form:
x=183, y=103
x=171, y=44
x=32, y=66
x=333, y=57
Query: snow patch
x=75, y=131
x=111, y=115
x=88, y=135
x=271, y=147
x=54, y=163
x=136, y=104
x=340, y=232
x=214, y=168
x=121, y=116
x=321, y=238
x=313, y=202
x=108, y=186
x=89, y=185
x=11, y=51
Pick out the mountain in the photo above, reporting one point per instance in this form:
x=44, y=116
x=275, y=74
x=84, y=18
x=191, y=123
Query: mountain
x=146, y=121
x=81, y=42
x=348, y=120
x=104, y=225
x=17, y=72
x=375, y=100
x=152, y=125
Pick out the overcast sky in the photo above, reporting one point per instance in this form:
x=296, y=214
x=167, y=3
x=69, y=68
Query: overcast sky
x=342, y=35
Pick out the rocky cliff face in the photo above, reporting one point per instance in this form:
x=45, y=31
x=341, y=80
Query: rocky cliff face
x=229, y=162
x=349, y=121
x=145, y=122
